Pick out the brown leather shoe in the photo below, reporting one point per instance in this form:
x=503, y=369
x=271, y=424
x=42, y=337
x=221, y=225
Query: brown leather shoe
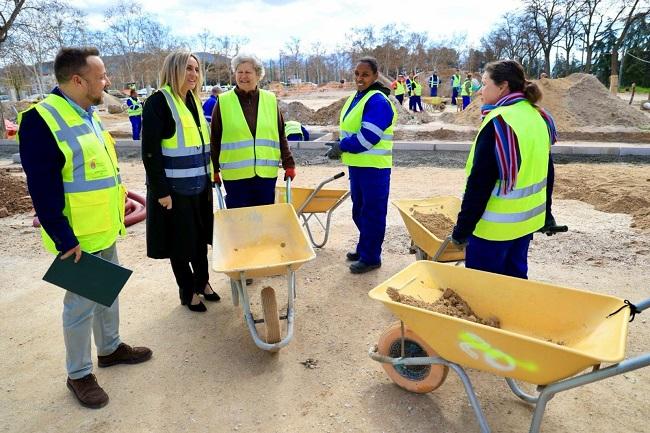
x=125, y=354
x=88, y=391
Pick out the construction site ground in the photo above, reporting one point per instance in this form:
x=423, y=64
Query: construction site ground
x=207, y=375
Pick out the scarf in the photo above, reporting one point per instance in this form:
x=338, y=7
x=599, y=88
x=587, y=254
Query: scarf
x=507, y=145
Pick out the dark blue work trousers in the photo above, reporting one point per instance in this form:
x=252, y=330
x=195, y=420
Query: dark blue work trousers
x=434, y=91
x=369, y=189
x=136, y=126
x=499, y=257
x=454, y=95
x=254, y=191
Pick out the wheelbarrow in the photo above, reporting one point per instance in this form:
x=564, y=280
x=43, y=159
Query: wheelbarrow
x=310, y=203
x=432, y=103
x=427, y=245
x=549, y=334
x=260, y=241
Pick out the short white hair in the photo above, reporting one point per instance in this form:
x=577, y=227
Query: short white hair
x=248, y=58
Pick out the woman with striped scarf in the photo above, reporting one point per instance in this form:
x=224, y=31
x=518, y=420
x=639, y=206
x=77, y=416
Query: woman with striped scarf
x=510, y=174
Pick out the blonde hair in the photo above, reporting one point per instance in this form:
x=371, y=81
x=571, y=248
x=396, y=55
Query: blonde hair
x=174, y=70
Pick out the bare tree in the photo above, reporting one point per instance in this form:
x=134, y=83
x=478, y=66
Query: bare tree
x=228, y=46
x=8, y=14
x=633, y=10
x=125, y=23
x=548, y=18
x=293, y=46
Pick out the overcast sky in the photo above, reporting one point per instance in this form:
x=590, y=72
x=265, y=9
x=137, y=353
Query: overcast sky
x=269, y=24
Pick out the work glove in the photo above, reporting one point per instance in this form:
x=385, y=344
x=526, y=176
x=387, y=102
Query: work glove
x=457, y=239
x=335, y=150
x=216, y=179
x=289, y=173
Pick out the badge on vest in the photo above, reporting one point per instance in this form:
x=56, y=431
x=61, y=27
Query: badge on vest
x=93, y=164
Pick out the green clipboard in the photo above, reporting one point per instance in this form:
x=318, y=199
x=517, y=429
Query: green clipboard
x=92, y=277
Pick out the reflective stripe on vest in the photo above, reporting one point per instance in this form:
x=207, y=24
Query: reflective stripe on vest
x=434, y=82
x=243, y=156
x=94, y=195
x=400, y=88
x=522, y=211
x=186, y=155
x=292, y=127
x=135, y=109
x=381, y=154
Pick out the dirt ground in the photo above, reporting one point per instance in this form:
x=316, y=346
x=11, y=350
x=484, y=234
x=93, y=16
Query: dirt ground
x=207, y=375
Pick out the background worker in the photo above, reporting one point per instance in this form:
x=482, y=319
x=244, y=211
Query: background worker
x=134, y=109
x=248, y=138
x=176, y=157
x=366, y=129
x=295, y=131
x=466, y=91
x=434, y=82
x=505, y=199
x=400, y=88
x=56, y=138
x=209, y=103
x=416, y=94
x=455, y=86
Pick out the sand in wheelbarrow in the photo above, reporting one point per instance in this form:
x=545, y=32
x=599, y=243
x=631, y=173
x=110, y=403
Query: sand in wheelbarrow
x=450, y=303
x=438, y=224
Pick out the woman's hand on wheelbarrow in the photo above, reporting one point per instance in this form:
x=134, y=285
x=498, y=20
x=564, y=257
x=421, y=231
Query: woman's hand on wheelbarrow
x=289, y=173
x=216, y=179
x=335, y=150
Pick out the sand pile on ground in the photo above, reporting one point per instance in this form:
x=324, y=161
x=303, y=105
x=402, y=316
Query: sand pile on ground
x=12, y=108
x=14, y=198
x=329, y=115
x=450, y=303
x=577, y=101
x=623, y=191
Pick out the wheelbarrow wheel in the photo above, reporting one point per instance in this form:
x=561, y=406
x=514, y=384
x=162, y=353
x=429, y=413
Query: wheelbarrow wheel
x=271, y=316
x=415, y=378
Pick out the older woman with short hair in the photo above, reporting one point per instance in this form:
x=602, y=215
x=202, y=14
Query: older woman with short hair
x=248, y=139
x=176, y=156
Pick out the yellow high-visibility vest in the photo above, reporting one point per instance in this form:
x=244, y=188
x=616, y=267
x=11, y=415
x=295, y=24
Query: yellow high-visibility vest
x=381, y=154
x=94, y=195
x=523, y=210
x=243, y=156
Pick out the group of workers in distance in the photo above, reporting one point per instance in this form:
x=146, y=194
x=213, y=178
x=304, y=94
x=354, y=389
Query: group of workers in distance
x=73, y=177
x=410, y=86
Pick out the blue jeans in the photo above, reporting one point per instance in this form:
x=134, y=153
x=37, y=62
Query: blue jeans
x=81, y=317
x=434, y=91
x=499, y=257
x=136, y=126
x=454, y=95
x=369, y=188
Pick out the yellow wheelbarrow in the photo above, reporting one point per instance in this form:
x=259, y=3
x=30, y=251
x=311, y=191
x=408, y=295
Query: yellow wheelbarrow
x=433, y=103
x=548, y=335
x=260, y=241
x=429, y=246
x=311, y=202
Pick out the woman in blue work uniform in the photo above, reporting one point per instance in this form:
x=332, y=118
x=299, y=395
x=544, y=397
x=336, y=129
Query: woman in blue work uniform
x=508, y=170
x=366, y=144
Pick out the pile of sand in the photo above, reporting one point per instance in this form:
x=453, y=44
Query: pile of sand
x=577, y=101
x=450, y=304
x=438, y=224
x=14, y=198
x=329, y=115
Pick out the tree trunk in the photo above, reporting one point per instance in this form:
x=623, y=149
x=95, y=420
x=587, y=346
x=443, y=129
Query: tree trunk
x=613, y=78
x=3, y=132
x=547, y=61
x=588, y=61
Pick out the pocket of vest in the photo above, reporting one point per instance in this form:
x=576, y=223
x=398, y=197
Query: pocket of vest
x=89, y=213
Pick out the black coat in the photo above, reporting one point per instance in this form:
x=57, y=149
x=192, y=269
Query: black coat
x=180, y=231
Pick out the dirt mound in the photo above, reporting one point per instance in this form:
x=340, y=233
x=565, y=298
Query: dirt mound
x=579, y=100
x=14, y=198
x=329, y=115
x=450, y=303
x=623, y=190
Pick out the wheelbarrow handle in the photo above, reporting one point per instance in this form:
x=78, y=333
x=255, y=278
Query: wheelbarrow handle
x=221, y=203
x=643, y=305
x=338, y=176
x=288, y=190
